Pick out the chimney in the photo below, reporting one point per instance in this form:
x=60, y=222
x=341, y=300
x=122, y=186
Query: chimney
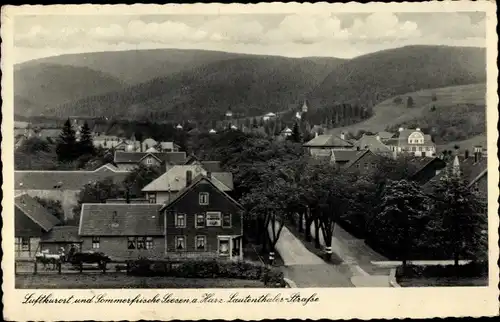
x=315, y=134
x=209, y=175
x=466, y=154
x=401, y=129
x=127, y=195
x=342, y=136
x=378, y=137
x=189, y=177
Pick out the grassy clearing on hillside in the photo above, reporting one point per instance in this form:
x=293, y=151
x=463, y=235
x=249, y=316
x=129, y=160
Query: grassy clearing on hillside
x=389, y=113
x=461, y=107
x=465, y=144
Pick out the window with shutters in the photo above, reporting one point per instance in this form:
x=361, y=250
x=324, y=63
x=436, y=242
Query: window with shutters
x=226, y=220
x=96, y=242
x=180, y=243
x=141, y=242
x=201, y=242
x=180, y=220
x=131, y=243
x=200, y=220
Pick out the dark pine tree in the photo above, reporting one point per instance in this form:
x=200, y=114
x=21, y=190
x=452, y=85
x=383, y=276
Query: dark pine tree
x=66, y=148
x=409, y=102
x=86, y=144
x=296, y=135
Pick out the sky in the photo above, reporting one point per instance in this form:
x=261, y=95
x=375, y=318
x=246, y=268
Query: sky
x=343, y=35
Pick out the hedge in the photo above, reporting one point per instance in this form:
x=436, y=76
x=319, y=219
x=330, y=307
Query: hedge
x=208, y=269
x=471, y=270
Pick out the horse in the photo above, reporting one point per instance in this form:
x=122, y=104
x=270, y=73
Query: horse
x=45, y=258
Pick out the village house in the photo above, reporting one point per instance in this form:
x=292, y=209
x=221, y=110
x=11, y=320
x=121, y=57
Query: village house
x=412, y=142
x=32, y=221
x=130, y=160
x=374, y=144
x=60, y=238
x=360, y=161
x=322, y=145
x=107, y=141
x=63, y=185
x=122, y=231
x=425, y=168
x=200, y=221
x=204, y=221
x=384, y=135
x=175, y=179
x=473, y=169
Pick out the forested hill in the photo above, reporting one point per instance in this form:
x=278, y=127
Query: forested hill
x=248, y=86
x=370, y=79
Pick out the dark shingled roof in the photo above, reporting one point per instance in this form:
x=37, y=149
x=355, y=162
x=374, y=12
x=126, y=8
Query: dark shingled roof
x=68, y=180
x=129, y=220
x=135, y=157
x=36, y=212
x=469, y=168
x=62, y=234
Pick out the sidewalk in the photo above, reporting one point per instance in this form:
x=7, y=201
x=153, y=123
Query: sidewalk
x=305, y=268
x=359, y=257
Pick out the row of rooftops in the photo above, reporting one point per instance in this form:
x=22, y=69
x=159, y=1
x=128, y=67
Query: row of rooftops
x=381, y=140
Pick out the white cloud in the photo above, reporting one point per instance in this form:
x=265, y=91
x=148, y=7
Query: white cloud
x=383, y=25
x=305, y=34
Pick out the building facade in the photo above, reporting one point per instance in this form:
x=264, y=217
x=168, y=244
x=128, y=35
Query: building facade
x=412, y=142
x=204, y=221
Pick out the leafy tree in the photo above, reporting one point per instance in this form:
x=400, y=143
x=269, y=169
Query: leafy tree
x=461, y=214
x=409, y=102
x=139, y=178
x=402, y=218
x=34, y=145
x=53, y=206
x=66, y=148
x=296, y=135
x=97, y=192
x=86, y=143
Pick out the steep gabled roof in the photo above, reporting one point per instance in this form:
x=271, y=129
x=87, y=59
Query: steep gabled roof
x=105, y=219
x=470, y=169
x=372, y=143
x=200, y=178
x=36, y=212
x=62, y=234
x=175, y=179
x=328, y=140
x=354, y=156
x=136, y=157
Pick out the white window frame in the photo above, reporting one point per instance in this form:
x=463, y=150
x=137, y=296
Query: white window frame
x=152, y=197
x=200, y=198
x=228, y=239
x=149, y=161
x=204, y=220
x=96, y=242
x=177, y=220
x=230, y=220
x=177, y=237
x=149, y=243
x=214, y=213
x=204, y=242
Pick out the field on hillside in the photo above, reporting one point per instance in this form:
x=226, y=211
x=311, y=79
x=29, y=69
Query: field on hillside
x=461, y=107
x=465, y=144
